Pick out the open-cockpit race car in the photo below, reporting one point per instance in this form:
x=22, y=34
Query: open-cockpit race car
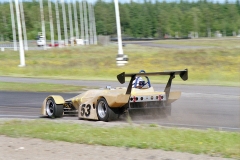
x=109, y=103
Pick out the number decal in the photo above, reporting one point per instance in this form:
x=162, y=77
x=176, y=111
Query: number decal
x=85, y=110
x=88, y=110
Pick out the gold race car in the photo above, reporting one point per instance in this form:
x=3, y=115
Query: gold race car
x=108, y=104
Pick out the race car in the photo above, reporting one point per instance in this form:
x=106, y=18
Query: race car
x=110, y=103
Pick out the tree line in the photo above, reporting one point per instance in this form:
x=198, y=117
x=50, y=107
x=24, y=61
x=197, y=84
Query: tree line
x=149, y=19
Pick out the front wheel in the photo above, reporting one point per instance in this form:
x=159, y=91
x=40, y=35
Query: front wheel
x=104, y=112
x=53, y=110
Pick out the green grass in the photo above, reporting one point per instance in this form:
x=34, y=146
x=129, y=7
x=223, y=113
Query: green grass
x=40, y=87
x=221, y=42
x=215, y=143
x=209, y=66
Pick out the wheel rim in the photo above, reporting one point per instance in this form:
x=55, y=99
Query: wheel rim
x=102, y=109
x=50, y=107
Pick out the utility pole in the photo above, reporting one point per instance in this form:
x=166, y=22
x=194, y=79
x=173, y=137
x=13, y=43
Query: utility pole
x=58, y=24
x=21, y=51
x=43, y=24
x=64, y=22
x=13, y=26
x=51, y=22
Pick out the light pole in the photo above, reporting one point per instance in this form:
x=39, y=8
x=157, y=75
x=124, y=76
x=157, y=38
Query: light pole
x=90, y=24
x=121, y=59
x=81, y=20
x=94, y=26
x=51, y=22
x=24, y=26
x=85, y=22
x=21, y=51
x=58, y=24
x=75, y=19
x=64, y=22
x=70, y=21
x=43, y=24
x=13, y=26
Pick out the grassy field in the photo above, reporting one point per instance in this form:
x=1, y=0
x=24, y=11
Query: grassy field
x=41, y=87
x=220, y=42
x=215, y=143
x=212, y=66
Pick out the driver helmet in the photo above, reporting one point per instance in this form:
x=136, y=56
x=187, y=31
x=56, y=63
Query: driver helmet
x=141, y=83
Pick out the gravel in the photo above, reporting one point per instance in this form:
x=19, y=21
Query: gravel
x=37, y=149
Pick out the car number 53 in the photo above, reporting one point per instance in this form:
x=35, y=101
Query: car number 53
x=85, y=110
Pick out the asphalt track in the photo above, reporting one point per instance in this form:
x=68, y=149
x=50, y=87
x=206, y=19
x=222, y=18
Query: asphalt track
x=199, y=107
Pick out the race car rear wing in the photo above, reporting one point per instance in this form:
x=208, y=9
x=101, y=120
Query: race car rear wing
x=182, y=73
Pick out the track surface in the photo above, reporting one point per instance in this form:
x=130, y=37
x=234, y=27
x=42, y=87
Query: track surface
x=199, y=106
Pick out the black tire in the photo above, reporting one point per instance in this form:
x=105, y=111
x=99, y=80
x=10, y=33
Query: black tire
x=53, y=110
x=104, y=112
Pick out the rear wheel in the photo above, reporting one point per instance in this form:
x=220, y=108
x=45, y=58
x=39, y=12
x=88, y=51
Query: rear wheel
x=104, y=112
x=53, y=110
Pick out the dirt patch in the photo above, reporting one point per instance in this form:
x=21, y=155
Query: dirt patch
x=34, y=149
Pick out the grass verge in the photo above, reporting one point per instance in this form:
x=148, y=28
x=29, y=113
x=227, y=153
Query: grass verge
x=208, y=66
x=207, y=42
x=215, y=143
x=40, y=87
